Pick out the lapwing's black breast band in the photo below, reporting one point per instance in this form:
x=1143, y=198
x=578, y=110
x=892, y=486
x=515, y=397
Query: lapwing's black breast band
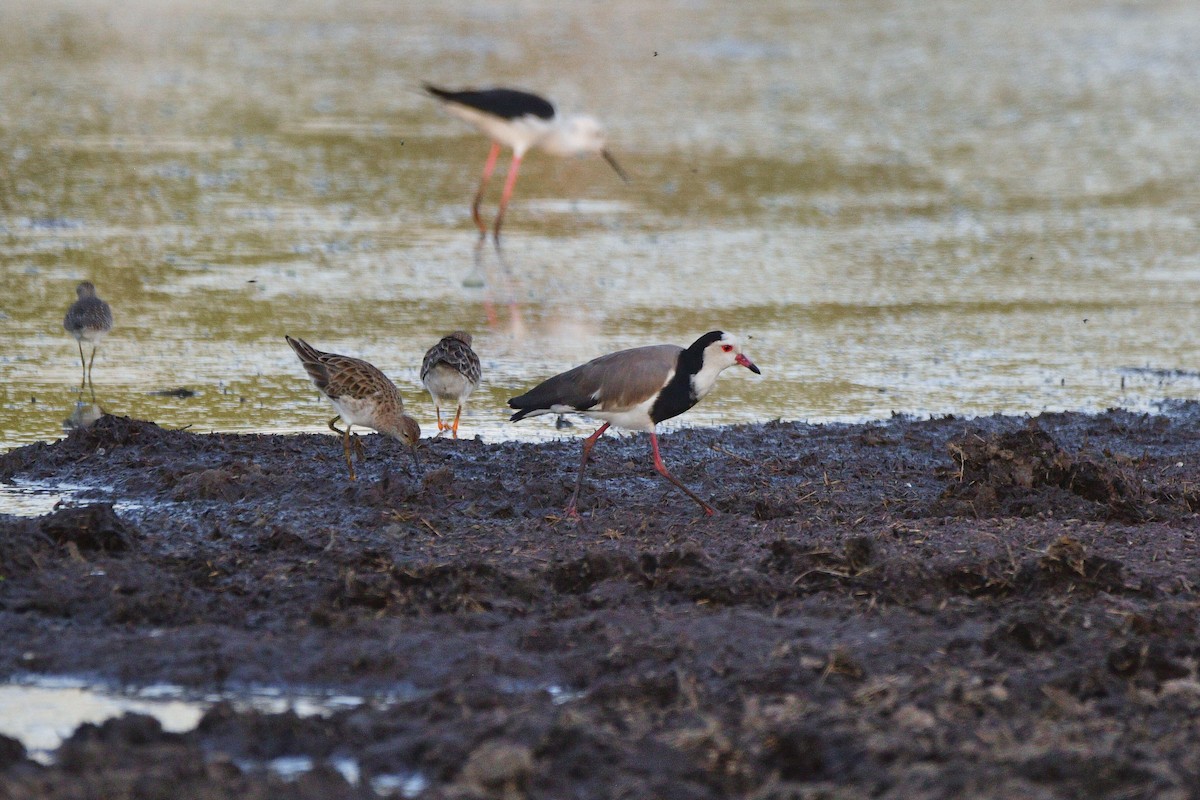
x=676, y=397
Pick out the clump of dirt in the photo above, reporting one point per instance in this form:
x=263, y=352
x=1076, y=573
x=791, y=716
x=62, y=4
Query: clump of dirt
x=1007, y=472
x=72, y=531
x=110, y=432
x=92, y=527
x=226, y=483
x=497, y=769
x=1067, y=560
x=1065, y=566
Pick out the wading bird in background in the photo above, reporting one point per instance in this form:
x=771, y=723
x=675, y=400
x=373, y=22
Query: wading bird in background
x=88, y=319
x=521, y=120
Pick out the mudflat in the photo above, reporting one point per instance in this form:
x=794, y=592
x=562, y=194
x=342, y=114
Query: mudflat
x=990, y=607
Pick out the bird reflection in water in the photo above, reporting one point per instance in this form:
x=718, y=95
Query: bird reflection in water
x=83, y=415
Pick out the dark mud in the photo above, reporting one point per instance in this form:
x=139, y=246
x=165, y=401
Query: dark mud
x=994, y=607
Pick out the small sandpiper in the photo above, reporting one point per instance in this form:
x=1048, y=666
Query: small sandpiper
x=362, y=395
x=450, y=372
x=88, y=319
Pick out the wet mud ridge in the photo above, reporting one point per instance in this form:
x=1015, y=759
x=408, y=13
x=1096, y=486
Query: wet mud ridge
x=994, y=607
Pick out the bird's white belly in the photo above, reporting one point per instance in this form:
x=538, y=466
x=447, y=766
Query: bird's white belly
x=91, y=335
x=356, y=410
x=520, y=133
x=631, y=419
x=448, y=387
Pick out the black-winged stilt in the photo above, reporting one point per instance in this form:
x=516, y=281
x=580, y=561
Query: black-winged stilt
x=521, y=120
x=636, y=389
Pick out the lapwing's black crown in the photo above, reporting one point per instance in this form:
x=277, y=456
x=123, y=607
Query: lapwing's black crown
x=707, y=339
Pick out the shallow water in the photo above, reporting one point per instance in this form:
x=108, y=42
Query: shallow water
x=42, y=711
x=913, y=207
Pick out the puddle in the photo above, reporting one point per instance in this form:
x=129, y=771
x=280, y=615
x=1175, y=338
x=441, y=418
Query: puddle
x=33, y=499
x=405, y=785
x=560, y=696
x=42, y=716
x=42, y=712
x=384, y=784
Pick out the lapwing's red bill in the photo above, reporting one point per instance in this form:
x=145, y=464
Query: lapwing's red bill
x=636, y=389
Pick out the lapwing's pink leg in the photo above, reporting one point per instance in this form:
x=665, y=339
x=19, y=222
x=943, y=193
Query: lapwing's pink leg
x=662, y=469
x=488, y=168
x=509, y=182
x=588, y=444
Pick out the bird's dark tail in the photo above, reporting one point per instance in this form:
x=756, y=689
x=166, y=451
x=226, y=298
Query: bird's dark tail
x=524, y=407
x=303, y=349
x=443, y=94
x=310, y=357
x=521, y=414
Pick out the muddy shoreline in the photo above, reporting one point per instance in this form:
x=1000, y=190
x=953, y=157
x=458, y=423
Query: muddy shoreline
x=992, y=607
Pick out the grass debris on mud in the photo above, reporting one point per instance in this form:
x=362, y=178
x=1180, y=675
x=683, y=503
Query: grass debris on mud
x=994, y=607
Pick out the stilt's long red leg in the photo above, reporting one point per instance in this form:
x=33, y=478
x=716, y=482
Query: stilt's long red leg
x=662, y=469
x=588, y=444
x=509, y=182
x=488, y=168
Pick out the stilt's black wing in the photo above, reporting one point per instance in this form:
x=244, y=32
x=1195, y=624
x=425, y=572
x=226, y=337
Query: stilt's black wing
x=503, y=103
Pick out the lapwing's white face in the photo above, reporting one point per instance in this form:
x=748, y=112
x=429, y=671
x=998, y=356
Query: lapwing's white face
x=719, y=356
x=725, y=352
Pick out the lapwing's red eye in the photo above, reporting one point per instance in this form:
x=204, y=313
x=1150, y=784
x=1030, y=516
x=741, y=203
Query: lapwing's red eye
x=728, y=348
